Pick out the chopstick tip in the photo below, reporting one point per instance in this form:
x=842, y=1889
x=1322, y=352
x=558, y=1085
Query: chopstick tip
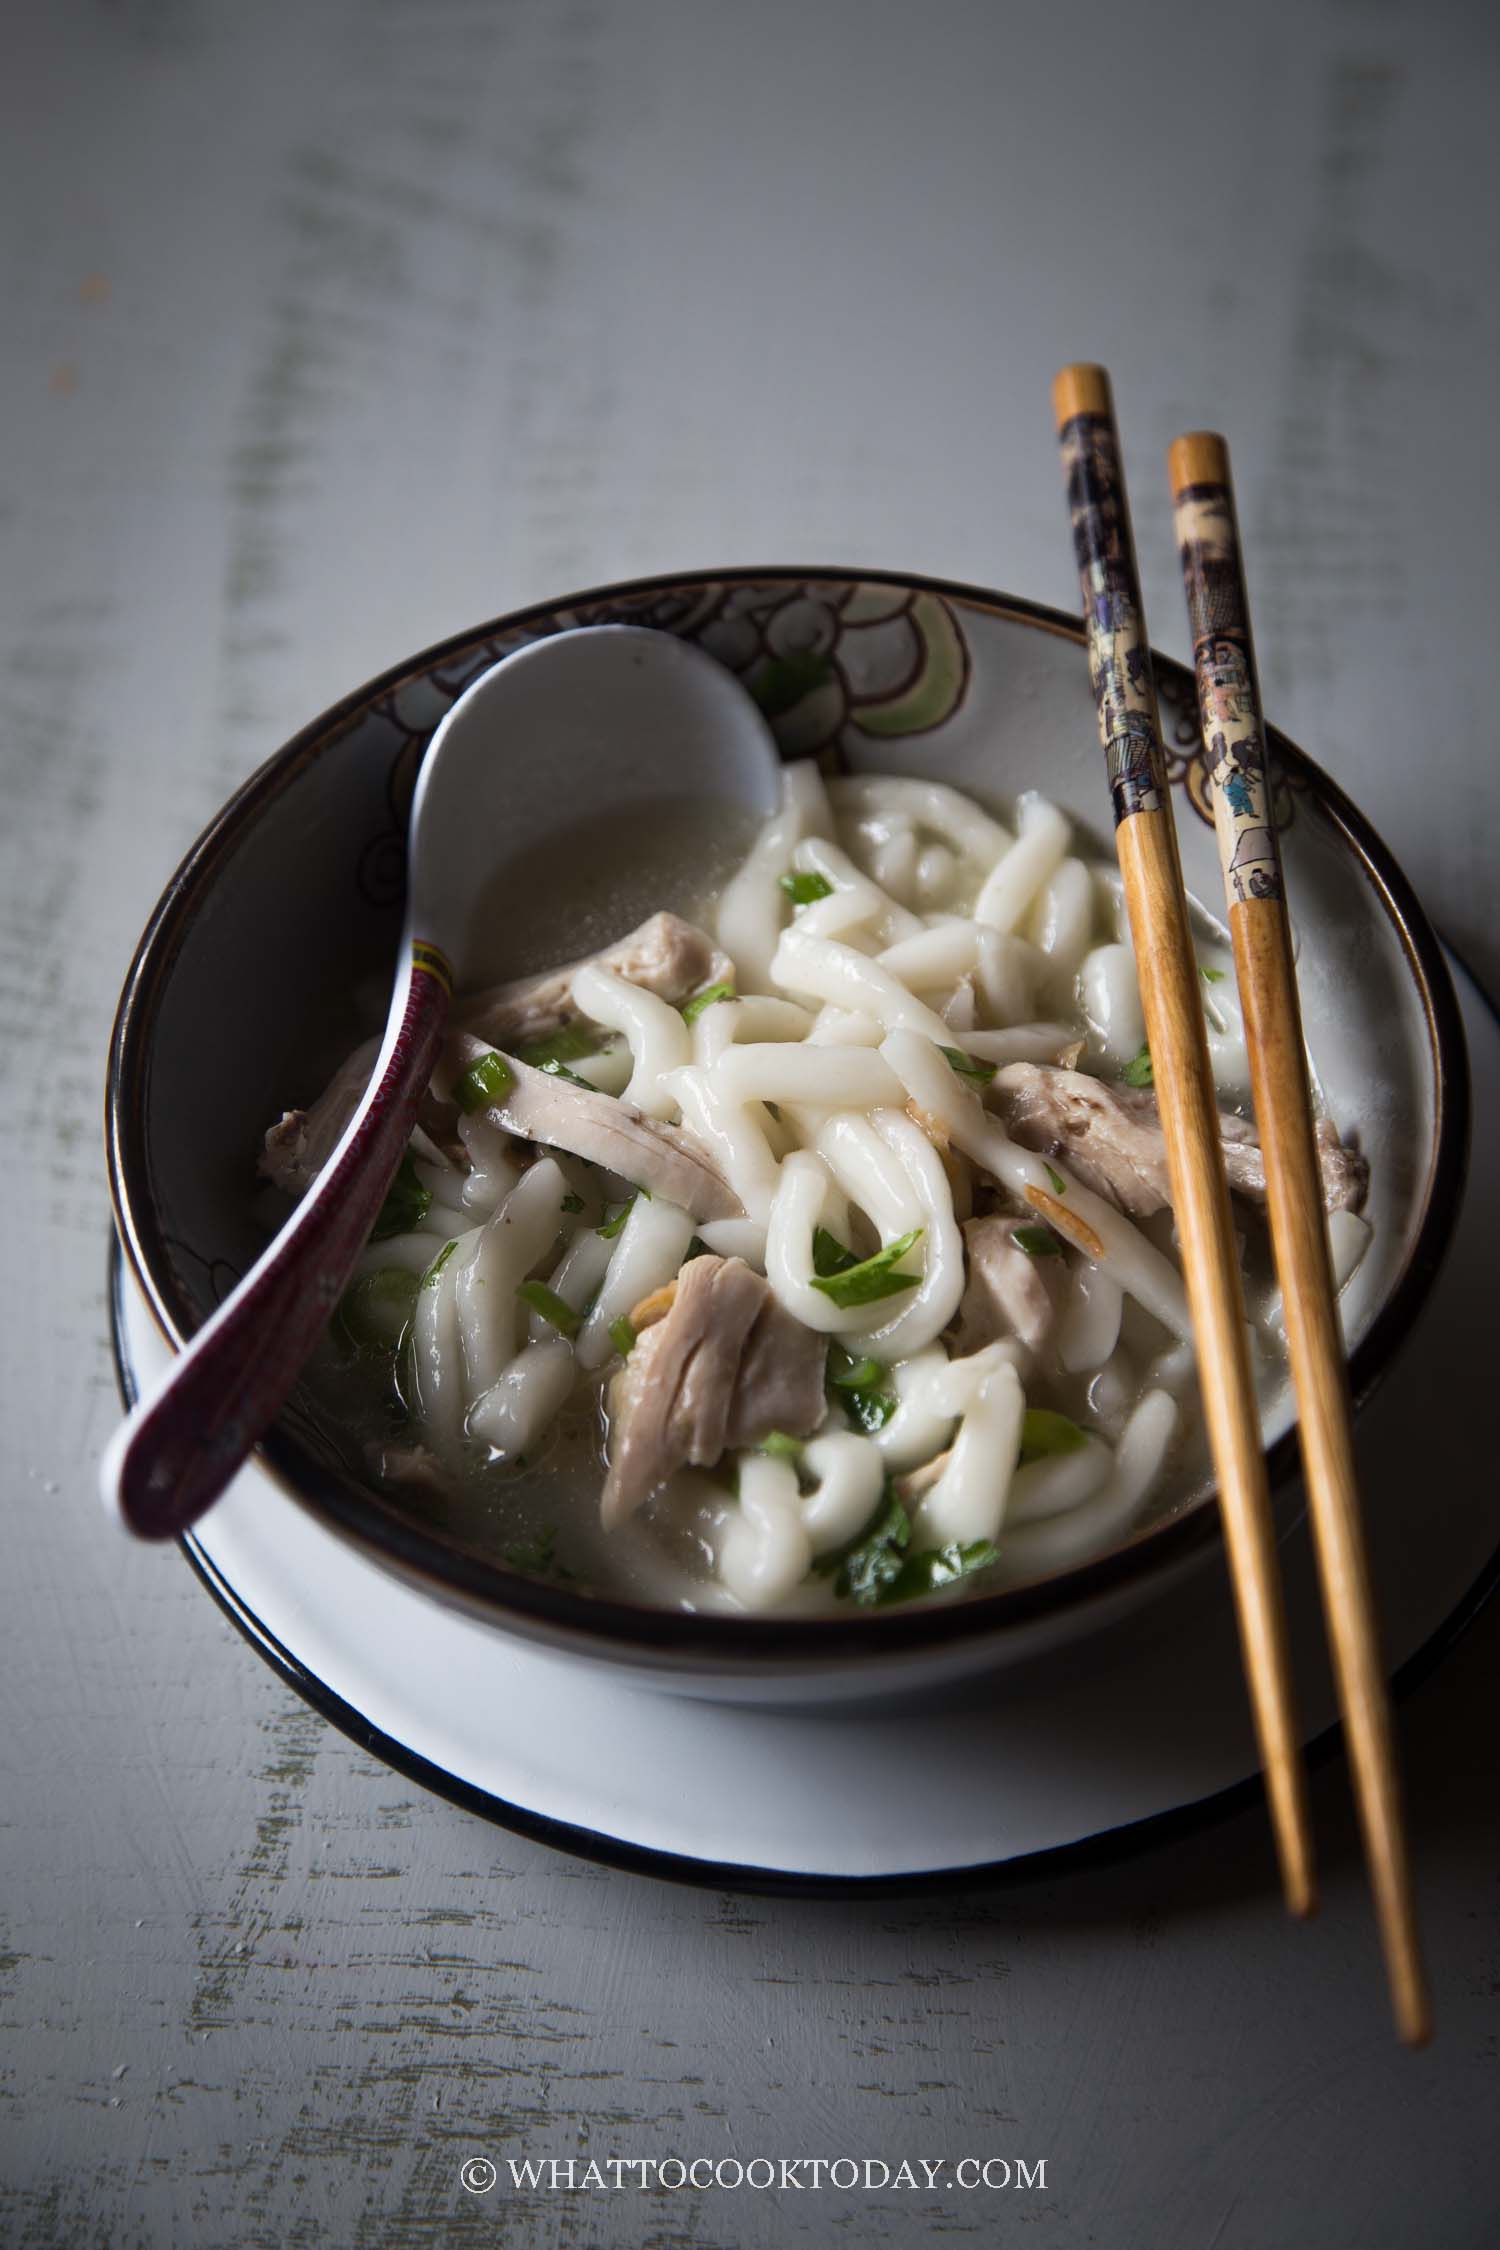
x=1080, y=388
x=1197, y=457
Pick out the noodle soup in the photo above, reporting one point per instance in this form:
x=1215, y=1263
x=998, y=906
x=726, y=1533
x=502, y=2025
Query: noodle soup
x=814, y=1253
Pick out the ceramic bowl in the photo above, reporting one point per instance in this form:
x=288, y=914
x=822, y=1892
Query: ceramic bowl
x=273, y=946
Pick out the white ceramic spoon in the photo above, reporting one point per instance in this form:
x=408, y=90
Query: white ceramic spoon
x=603, y=719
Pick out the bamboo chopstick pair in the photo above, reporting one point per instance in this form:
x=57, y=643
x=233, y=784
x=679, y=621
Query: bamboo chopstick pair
x=1146, y=839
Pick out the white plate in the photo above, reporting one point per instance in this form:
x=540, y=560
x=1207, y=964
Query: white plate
x=1145, y=1723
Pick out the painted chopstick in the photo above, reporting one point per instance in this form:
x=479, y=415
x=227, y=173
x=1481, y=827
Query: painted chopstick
x=1234, y=744
x=1171, y=997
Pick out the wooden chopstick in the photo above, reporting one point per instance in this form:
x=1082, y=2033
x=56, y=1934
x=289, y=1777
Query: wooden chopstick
x=1234, y=741
x=1171, y=996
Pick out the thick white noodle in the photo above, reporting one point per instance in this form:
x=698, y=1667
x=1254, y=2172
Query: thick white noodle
x=937, y=874
x=828, y=1077
x=658, y=1039
x=1034, y=1549
x=437, y=1360
x=413, y=1253
x=930, y=960
x=849, y=1474
x=1052, y=1486
x=736, y=1135
x=647, y=1253
x=609, y=1070
x=752, y=907
x=1024, y=1042
x=827, y=970
x=870, y=1173
x=925, y=1312
x=1090, y=1325
x=964, y=825
x=921, y=1424
x=1141, y=1269
x=968, y=1500
x=764, y=1549
x=505, y=1250
x=857, y=899
x=1063, y=919
x=577, y=1280
x=516, y=1411
x=1111, y=1002
x=493, y=1173
x=799, y=1206
x=1013, y=883
x=845, y=1027
x=736, y=1238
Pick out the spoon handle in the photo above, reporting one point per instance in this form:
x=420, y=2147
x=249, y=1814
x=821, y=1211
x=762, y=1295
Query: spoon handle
x=173, y=1456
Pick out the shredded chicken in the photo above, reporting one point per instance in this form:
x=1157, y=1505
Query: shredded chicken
x=661, y=1158
x=1006, y=1293
x=726, y=1367
x=1111, y=1137
x=666, y=955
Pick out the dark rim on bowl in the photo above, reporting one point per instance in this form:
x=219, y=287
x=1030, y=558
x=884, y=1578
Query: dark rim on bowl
x=375, y=1522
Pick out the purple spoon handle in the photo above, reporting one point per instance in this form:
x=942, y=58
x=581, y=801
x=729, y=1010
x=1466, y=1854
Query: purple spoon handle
x=180, y=1447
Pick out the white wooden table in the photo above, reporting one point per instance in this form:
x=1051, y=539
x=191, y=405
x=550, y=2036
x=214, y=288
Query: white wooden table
x=333, y=327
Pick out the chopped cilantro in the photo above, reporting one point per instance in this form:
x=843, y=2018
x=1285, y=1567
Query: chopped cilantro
x=406, y=1205
x=873, y=1277
x=1138, y=1071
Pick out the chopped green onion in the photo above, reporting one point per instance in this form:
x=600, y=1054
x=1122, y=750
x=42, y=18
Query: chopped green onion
x=846, y=1373
x=969, y=1066
x=780, y=1446
x=611, y=1227
x=430, y=1277
x=692, y=1009
x=1037, y=1242
x=873, y=1278
x=551, y=1307
x=483, y=1082
x=565, y=1044
x=622, y=1336
x=829, y=1254
x=1059, y=1184
x=1138, y=1071
x=806, y=890
x=1043, y=1432
x=376, y=1309
x=1210, y=976
x=571, y=1202
x=406, y=1205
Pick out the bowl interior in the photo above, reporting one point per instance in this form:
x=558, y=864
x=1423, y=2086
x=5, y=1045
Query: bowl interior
x=273, y=950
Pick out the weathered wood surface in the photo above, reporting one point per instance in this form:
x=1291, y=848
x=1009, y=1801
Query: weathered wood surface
x=332, y=328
